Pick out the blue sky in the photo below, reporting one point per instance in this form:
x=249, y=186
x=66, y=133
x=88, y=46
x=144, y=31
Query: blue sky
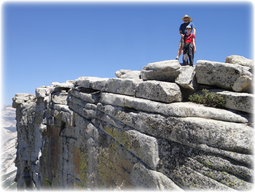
x=54, y=42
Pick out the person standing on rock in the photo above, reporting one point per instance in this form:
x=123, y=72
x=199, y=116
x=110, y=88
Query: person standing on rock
x=187, y=21
x=189, y=47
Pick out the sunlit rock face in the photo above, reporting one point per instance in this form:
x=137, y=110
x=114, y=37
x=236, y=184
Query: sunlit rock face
x=8, y=150
x=136, y=132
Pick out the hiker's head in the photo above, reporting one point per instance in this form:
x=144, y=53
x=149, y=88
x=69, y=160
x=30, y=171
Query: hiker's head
x=188, y=29
x=186, y=19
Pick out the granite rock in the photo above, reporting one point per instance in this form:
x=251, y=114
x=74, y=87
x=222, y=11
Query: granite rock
x=237, y=59
x=22, y=98
x=133, y=134
x=243, y=84
x=252, y=64
x=223, y=75
x=95, y=83
x=122, y=86
x=177, y=109
x=42, y=92
x=159, y=91
x=253, y=82
x=187, y=78
x=236, y=101
x=128, y=74
x=162, y=71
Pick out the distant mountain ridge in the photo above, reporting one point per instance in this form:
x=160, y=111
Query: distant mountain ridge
x=8, y=142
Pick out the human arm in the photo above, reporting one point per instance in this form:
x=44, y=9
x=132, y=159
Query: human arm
x=194, y=43
x=181, y=34
x=194, y=31
x=193, y=28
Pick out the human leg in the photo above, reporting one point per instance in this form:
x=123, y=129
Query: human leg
x=191, y=54
x=185, y=56
x=179, y=52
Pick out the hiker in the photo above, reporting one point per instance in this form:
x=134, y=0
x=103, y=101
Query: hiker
x=189, y=47
x=187, y=21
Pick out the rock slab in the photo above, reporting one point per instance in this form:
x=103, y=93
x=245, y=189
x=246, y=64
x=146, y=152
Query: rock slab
x=223, y=75
x=159, y=91
x=127, y=133
x=162, y=71
x=237, y=59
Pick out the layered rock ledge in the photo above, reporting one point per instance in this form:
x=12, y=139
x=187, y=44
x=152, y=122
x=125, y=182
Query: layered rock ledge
x=139, y=131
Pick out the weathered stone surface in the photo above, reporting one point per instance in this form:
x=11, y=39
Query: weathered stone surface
x=62, y=112
x=253, y=82
x=237, y=101
x=128, y=74
x=163, y=71
x=252, y=64
x=159, y=91
x=118, y=134
x=29, y=130
x=148, y=123
x=22, y=98
x=218, y=74
x=237, y=138
x=85, y=95
x=173, y=109
x=95, y=83
x=163, y=65
x=161, y=126
x=187, y=78
x=122, y=86
x=143, y=178
x=42, y=92
x=205, y=170
x=142, y=146
x=237, y=59
x=122, y=72
x=60, y=98
x=109, y=153
x=57, y=87
x=85, y=109
x=244, y=84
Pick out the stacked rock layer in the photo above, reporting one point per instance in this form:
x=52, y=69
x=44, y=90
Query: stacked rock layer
x=138, y=131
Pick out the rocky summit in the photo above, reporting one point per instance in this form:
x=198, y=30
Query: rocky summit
x=139, y=130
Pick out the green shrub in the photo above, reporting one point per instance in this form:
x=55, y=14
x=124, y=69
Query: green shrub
x=209, y=99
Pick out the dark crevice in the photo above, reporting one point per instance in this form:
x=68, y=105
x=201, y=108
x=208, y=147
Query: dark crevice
x=129, y=109
x=60, y=89
x=68, y=137
x=62, y=126
x=86, y=90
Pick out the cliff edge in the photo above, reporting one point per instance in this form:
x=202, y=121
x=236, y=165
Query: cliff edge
x=139, y=131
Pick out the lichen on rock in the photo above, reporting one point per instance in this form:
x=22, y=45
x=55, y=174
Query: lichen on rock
x=138, y=131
